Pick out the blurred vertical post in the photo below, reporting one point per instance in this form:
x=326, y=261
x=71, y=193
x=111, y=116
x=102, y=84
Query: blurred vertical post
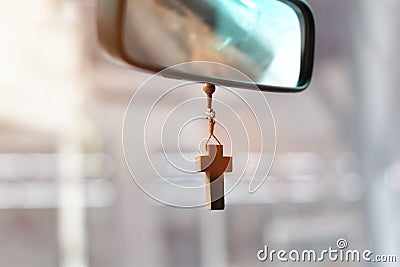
x=71, y=209
x=376, y=52
x=71, y=194
x=42, y=71
x=214, y=245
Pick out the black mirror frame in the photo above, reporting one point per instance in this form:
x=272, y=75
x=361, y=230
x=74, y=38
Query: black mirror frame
x=110, y=23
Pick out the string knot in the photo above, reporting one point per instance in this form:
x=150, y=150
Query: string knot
x=210, y=114
x=209, y=89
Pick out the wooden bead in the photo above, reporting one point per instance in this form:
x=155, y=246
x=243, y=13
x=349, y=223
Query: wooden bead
x=209, y=88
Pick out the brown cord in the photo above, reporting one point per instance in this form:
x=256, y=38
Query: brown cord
x=209, y=89
x=211, y=124
x=209, y=101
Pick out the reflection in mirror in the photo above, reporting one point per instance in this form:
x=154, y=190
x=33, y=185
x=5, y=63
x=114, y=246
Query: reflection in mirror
x=261, y=38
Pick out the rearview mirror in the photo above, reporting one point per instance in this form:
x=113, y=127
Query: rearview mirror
x=271, y=41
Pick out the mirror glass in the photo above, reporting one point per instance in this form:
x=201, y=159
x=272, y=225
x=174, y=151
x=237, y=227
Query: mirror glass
x=261, y=38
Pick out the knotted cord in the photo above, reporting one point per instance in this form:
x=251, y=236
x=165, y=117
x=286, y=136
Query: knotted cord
x=211, y=124
x=209, y=89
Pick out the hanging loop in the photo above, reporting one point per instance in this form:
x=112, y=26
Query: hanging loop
x=211, y=124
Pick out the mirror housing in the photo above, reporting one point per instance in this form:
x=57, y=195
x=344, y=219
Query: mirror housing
x=114, y=30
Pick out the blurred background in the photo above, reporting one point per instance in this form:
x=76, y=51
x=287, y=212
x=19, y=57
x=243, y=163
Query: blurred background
x=66, y=196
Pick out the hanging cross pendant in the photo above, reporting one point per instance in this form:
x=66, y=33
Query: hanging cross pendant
x=214, y=164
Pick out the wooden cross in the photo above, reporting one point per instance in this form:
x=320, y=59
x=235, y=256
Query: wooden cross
x=214, y=164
